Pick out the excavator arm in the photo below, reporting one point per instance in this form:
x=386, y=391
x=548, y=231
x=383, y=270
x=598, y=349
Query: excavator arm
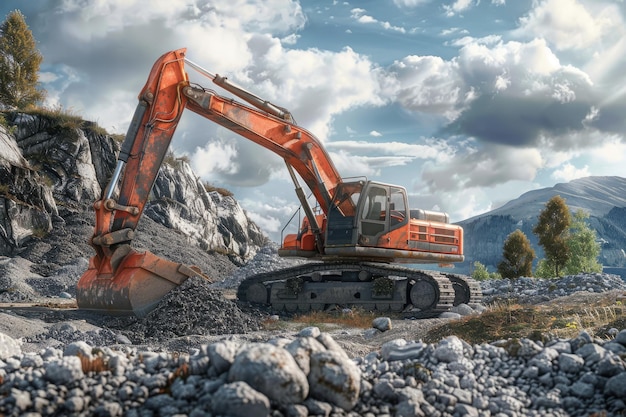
x=120, y=279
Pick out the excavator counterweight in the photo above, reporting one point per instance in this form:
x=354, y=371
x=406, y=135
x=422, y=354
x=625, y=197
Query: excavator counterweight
x=355, y=231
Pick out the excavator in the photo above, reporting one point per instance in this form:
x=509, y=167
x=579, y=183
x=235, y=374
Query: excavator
x=352, y=237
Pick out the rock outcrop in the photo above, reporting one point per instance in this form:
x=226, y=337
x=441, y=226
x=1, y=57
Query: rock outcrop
x=53, y=168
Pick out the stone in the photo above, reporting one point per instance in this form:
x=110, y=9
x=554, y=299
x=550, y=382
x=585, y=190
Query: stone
x=463, y=309
x=64, y=371
x=571, y=364
x=301, y=350
x=272, y=371
x=616, y=386
x=222, y=355
x=382, y=323
x=392, y=345
x=238, y=399
x=621, y=338
x=449, y=349
x=394, y=352
x=79, y=349
x=592, y=353
x=9, y=347
x=610, y=366
x=311, y=331
x=334, y=379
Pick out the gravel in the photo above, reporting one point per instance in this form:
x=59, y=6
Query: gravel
x=200, y=353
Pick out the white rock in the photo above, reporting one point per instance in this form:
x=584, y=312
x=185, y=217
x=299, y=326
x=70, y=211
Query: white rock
x=9, y=347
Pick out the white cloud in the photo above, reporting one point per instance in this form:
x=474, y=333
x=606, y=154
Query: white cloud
x=291, y=39
x=47, y=77
x=567, y=24
x=101, y=18
x=487, y=167
x=215, y=157
x=458, y=6
x=569, y=172
x=410, y=3
x=438, y=150
x=610, y=154
x=268, y=213
x=375, y=134
x=525, y=71
x=428, y=84
x=359, y=15
x=350, y=165
x=291, y=78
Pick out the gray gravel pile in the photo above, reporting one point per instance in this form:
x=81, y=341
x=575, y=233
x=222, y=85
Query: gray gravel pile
x=64, y=333
x=20, y=283
x=536, y=290
x=193, y=308
x=311, y=375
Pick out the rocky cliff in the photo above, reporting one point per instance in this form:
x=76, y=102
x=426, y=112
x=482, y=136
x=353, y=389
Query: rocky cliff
x=604, y=198
x=53, y=168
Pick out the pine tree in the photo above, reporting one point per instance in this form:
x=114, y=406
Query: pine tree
x=517, y=256
x=552, y=230
x=19, y=64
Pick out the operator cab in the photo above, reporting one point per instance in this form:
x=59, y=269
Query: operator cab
x=363, y=211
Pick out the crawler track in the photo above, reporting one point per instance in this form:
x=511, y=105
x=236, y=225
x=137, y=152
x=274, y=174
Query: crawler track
x=371, y=286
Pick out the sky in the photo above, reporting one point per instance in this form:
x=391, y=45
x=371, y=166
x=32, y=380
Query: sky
x=466, y=103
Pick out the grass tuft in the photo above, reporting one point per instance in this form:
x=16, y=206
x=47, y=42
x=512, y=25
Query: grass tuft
x=536, y=322
x=354, y=318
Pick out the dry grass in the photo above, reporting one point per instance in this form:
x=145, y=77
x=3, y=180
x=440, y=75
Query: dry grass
x=563, y=318
x=223, y=191
x=324, y=320
x=96, y=365
x=355, y=318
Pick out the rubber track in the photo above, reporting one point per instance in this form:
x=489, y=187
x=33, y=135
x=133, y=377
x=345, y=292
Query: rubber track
x=446, y=291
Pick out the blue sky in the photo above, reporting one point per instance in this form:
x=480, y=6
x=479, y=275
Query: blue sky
x=467, y=103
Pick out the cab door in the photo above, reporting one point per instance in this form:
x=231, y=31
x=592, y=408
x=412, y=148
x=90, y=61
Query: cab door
x=383, y=210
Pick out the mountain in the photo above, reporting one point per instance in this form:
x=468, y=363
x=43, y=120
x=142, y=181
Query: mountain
x=604, y=198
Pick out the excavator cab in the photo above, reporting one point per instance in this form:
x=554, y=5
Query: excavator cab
x=363, y=211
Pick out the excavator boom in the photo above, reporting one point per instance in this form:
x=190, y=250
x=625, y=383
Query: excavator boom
x=355, y=222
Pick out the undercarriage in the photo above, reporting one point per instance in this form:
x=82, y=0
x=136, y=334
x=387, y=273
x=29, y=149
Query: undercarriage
x=369, y=286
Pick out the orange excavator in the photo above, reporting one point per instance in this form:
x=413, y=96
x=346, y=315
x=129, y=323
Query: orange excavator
x=351, y=237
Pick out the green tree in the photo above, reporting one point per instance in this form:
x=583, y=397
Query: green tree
x=552, y=229
x=544, y=269
x=480, y=272
x=19, y=64
x=584, y=249
x=517, y=256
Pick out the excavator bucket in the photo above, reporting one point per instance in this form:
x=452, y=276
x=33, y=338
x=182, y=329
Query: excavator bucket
x=140, y=281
